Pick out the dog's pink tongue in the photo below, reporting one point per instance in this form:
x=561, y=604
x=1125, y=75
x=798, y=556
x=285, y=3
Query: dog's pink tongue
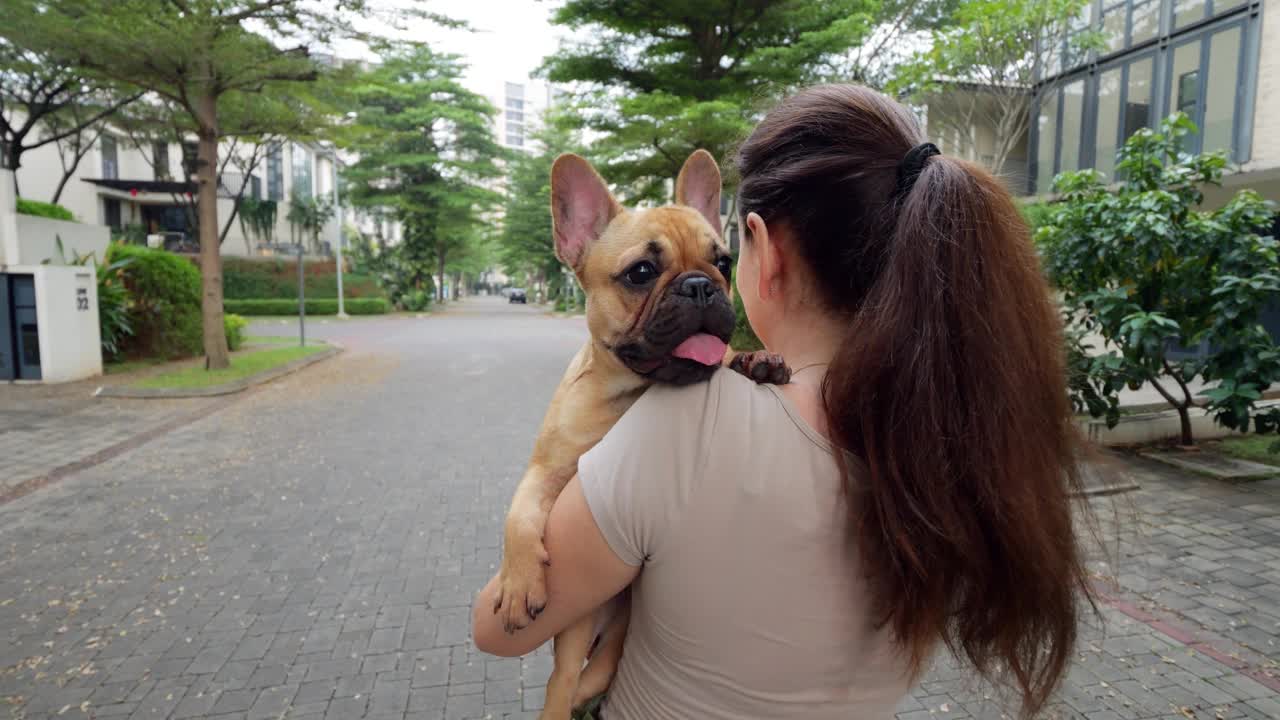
x=702, y=348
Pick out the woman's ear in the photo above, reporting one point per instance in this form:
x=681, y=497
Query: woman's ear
x=766, y=256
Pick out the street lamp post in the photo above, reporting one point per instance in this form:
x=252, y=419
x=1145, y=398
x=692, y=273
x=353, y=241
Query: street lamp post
x=337, y=201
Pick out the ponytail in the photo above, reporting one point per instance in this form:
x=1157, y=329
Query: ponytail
x=948, y=387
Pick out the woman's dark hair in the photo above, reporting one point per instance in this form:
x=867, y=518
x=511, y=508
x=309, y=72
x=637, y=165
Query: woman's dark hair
x=949, y=384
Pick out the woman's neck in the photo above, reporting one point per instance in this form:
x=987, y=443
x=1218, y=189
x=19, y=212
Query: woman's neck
x=808, y=341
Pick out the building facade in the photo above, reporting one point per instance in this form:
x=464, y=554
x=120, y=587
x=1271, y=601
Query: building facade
x=521, y=108
x=144, y=190
x=1218, y=61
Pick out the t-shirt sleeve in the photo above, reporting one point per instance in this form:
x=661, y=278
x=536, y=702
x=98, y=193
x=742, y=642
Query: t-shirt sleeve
x=638, y=477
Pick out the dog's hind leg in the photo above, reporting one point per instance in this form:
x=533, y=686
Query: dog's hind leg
x=571, y=648
x=604, y=661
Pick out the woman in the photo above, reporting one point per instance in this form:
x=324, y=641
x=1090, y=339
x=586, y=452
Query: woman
x=782, y=578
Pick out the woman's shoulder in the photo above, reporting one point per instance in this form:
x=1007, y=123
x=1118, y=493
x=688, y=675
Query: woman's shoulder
x=725, y=391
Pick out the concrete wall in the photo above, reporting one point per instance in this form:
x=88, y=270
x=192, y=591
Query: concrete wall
x=1266, y=111
x=67, y=316
x=38, y=240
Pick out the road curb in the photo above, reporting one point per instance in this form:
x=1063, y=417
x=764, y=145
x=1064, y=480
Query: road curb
x=266, y=376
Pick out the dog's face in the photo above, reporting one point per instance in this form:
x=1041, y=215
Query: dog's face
x=657, y=280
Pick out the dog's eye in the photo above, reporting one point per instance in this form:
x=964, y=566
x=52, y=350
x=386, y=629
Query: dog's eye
x=725, y=266
x=642, y=273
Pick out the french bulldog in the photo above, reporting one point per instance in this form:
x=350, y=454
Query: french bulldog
x=659, y=310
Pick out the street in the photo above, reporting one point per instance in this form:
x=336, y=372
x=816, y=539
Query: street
x=311, y=549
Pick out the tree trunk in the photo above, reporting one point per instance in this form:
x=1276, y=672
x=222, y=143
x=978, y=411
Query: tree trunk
x=440, y=260
x=11, y=160
x=62, y=184
x=215, y=336
x=1184, y=417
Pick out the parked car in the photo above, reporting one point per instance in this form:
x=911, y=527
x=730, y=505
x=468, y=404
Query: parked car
x=516, y=295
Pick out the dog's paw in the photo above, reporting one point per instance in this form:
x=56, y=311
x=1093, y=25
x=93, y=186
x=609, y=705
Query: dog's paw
x=762, y=366
x=522, y=585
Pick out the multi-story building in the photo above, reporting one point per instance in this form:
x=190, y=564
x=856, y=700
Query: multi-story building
x=123, y=186
x=520, y=110
x=1216, y=60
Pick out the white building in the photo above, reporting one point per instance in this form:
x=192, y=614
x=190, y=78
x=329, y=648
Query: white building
x=145, y=189
x=1218, y=61
x=521, y=107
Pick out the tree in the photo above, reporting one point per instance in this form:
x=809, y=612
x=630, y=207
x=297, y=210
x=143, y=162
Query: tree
x=1149, y=272
x=426, y=151
x=981, y=68
x=525, y=245
x=193, y=53
x=663, y=79
x=43, y=101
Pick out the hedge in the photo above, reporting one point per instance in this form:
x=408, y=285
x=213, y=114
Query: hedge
x=44, y=209
x=268, y=278
x=164, y=302
x=323, y=306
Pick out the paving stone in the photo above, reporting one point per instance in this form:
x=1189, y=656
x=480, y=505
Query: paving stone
x=312, y=553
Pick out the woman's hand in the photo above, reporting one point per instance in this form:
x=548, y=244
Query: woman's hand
x=584, y=574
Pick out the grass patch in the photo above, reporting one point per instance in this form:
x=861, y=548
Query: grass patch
x=1250, y=447
x=276, y=340
x=128, y=366
x=242, y=366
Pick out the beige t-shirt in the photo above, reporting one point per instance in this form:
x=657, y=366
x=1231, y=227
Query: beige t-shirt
x=750, y=603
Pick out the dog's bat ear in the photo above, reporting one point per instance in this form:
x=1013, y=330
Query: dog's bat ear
x=698, y=186
x=581, y=208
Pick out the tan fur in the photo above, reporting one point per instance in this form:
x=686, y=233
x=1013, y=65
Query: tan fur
x=595, y=391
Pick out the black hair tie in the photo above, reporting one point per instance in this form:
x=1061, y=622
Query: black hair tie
x=912, y=165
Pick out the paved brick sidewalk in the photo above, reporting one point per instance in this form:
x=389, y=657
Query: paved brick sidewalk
x=46, y=428
x=311, y=550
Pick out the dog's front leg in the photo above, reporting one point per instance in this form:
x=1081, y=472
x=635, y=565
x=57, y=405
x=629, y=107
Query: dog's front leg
x=522, y=589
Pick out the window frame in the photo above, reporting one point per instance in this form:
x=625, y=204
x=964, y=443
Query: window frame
x=1159, y=50
x=1204, y=35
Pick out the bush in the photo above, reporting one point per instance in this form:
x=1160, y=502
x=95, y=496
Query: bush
x=279, y=306
x=114, y=326
x=235, y=326
x=744, y=338
x=245, y=279
x=416, y=300
x=1150, y=272
x=164, y=302
x=44, y=209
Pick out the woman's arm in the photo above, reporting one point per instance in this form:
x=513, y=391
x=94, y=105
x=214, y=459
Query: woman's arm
x=583, y=575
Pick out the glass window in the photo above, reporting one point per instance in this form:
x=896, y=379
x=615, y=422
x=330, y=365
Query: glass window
x=301, y=172
x=1108, y=121
x=275, y=173
x=1186, y=12
x=1186, y=87
x=1218, y=127
x=110, y=160
x=1146, y=21
x=1072, y=115
x=1047, y=134
x=189, y=151
x=1113, y=27
x=1137, y=100
x=1221, y=6
x=160, y=156
x=111, y=215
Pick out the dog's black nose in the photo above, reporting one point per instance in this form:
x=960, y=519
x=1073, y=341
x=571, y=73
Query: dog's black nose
x=698, y=287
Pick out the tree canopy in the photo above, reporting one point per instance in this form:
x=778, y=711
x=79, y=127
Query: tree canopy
x=426, y=151
x=661, y=79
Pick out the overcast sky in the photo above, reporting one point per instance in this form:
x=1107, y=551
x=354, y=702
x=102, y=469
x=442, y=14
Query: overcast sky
x=510, y=38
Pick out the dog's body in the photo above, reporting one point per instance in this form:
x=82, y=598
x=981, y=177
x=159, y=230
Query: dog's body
x=659, y=310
